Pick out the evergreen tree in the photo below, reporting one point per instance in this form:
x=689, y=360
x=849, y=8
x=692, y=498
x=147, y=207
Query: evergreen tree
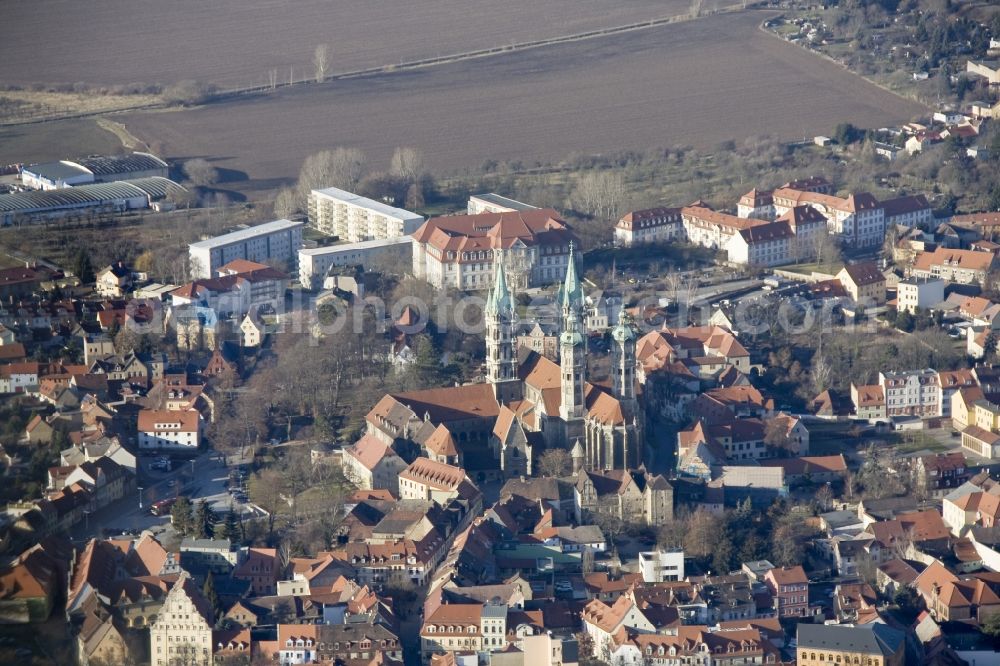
x=82, y=266
x=208, y=590
x=229, y=528
x=426, y=368
x=204, y=517
x=180, y=515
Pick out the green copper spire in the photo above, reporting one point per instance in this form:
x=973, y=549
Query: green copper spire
x=624, y=330
x=500, y=300
x=571, y=297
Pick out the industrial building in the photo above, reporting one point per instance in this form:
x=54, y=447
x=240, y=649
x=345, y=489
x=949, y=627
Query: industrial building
x=495, y=203
x=94, y=169
x=116, y=197
x=354, y=218
x=277, y=241
x=315, y=263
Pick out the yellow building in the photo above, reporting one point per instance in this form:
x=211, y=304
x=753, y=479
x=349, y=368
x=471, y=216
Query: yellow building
x=867, y=645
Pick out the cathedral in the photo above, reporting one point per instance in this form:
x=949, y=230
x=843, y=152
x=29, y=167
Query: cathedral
x=529, y=401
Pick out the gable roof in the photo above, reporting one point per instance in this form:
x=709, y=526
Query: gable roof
x=965, y=259
x=864, y=273
x=369, y=451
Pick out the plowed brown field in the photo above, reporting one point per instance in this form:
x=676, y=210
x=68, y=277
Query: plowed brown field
x=693, y=83
x=235, y=43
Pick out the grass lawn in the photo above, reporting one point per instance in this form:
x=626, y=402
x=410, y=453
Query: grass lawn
x=808, y=268
x=913, y=441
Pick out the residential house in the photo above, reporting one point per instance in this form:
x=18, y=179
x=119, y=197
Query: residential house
x=114, y=281
x=941, y=472
x=919, y=293
x=169, y=429
x=789, y=587
x=962, y=266
x=864, y=282
x=261, y=569
x=912, y=393
x=29, y=586
x=869, y=401
x=371, y=464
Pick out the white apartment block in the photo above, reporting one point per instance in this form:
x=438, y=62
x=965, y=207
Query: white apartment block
x=393, y=253
x=354, y=218
x=494, y=203
x=659, y=566
x=919, y=292
x=909, y=211
x=277, y=241
x=751, y=241
x=652, y=225
x=169, y=429
x=769, y=244
x=457, y=251
x=758, y=204
x=858, y=220
x=911, y=393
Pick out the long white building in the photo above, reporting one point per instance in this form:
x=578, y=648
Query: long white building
x=458, y=250
x=353, y=218
x=315, y=263
x=277, y=241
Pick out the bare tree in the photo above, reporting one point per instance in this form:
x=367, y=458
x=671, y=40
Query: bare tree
x=555, y=462
x=407, y=164
x=272, y=79
x=321, y=62
x=285, y=203
x=340, y=167
x=695, y=9
x=826, y=250
x=821, y=373
x=824, y=497
x=600, y=193
x=200, y=172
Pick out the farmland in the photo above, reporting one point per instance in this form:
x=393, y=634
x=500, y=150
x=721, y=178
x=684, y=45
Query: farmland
x=695, y=83
x=55, y=140
x=233, y=43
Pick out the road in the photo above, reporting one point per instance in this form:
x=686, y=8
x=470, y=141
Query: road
x=203, y=477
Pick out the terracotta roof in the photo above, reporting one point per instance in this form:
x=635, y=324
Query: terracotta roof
x=964, y=259
x=852, y=204
x=704, y=216
x=982, y=435
x=242, y=266
x=186, y=421
x=369, y=451
x=870, y=395
x=452, y=403
x=944, y=462
x=788, y=575
x=809, y=464
x=978, y=219
x=488, y=231
x=633, y=219
x=441, y=442
x=802, y=215
x=434, y=474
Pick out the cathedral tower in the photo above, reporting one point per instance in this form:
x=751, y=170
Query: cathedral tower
x=501, y=359
x=623, y=360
